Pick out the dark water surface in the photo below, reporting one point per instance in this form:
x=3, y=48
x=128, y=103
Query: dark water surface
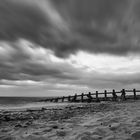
x=24, y=102
x=18, y=100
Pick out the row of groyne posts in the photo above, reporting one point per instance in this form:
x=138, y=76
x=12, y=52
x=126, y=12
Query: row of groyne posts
x=98, y=96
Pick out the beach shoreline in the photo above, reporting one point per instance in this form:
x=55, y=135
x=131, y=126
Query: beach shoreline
x=82, y=121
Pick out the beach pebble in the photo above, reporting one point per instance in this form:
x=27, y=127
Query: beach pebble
x=28, y=123
x=7, y=138
x=47, y=130
x=54, y=126
x=5, y=130
x=137, y=123
x=61, y=133
x=136, y=135
x=42, y=109
x=88, y=137
x=96, y=137
x=7, y=118
x=99, y=131
x=18, y=125
x=110, y=138
x=85, y=138
x=128, y=139
x=34, y=137
x=114, y=126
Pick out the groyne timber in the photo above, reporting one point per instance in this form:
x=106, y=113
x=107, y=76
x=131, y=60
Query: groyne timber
x=98, y=96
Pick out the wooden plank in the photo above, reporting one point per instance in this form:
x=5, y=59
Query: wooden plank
x=109, y=92
x=118, y=91
x=128, y=90
x=93, y=93
x=69, y=98
x=100, y=93
x=137, y=90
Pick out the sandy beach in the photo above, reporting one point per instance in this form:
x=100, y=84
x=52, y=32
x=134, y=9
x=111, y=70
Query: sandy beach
x=94, y=121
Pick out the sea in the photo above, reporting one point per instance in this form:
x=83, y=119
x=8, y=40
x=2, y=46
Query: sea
x=9, y=103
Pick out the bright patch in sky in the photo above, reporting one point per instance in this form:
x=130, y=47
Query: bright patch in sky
x=106, y=63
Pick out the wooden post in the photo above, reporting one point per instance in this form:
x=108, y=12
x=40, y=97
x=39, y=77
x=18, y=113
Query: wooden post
x=135, y=96
x=53, y=100
x=89, y=97
x=63, y=99
x=114, y=95
x=82, y=97
x=74, y=98
x=69, y=98
x=123, y=96
x=105, y=95
x=56, y=99
x=96, y=94
x=97, y=99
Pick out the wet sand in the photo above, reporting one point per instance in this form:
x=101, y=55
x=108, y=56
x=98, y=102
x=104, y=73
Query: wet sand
x=94, y=121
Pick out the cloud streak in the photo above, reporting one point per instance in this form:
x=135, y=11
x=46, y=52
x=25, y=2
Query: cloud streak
x=28, y=65
x=100, y=26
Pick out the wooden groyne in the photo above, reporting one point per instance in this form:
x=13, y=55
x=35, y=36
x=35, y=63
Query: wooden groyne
x=98, y=96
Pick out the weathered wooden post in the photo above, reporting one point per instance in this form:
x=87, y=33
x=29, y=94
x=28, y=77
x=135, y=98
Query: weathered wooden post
x=114, y=95
x=105, y=95
x=56, y=100
x=82, y=97
x=97, y=98
x=123, y=96
x=53, y=100
x=63, y=99
x=74, y=98
x=96, y=94
x=135, y=96
x=69, y=98
x=89, y=97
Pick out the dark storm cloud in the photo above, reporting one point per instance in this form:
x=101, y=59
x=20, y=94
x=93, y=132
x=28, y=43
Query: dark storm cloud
x=30, y=70
x=66, y=26
x=27, y=62
x=103, y=26
x=20, y=21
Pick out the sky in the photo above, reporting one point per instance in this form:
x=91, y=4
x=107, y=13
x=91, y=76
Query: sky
x=63, y=47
